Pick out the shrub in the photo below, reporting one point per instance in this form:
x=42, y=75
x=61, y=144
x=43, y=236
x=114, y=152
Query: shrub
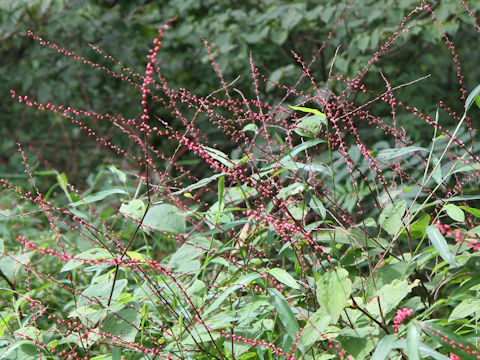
x=259, y=231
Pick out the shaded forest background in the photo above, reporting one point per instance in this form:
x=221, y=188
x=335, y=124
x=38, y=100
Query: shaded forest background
x=268, y=31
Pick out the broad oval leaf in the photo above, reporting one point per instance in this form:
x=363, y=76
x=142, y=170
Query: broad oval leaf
x=333, y=290
x=284, y=277
x=134, y=208
x=418, y=228
x=309, y=126
x=454, y=212
x=315, y=327
x=440, y=244
x=250, y=127
x=102, y=292
x=165, y=217
x=389, y=296
x=391, y=217
x=123, y=324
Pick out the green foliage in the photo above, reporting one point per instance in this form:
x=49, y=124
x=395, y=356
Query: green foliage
x=231, y=225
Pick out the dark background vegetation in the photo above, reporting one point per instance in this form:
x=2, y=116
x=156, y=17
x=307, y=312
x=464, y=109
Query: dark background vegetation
x=268, y=30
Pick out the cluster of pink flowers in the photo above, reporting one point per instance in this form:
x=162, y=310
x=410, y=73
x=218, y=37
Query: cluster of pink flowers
x=400, y=317
x=446, y=230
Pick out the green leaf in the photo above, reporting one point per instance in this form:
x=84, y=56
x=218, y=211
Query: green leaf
x=98, y=196
x=437, y=174
x=454, y=212
x=317, y=206
x=11, y=347
x=465, y=309
x=458, y=198
x=99, y=357
x=120, y=174
x=413, y=342
x=136, y=256
x=219, y=300
x=428, y=351
x=122, y=324
x=357, y=342
x=316, y=325
x=467, y=285
x=220, y=156
x=303, y=146
x=87, y=314
x=472, y=97
x=307, y=110
x=294, y=152
x=310, y=125
x=248, y=278
x=101, y=292
x=291, y=190
x=165, y=217
x=293, y=165
x=250, y=127
x=467, y=168
x=284, y=277
x=451, y=345
x=333, y=290
x=418, y=228
x=384, y=346
x=391, y=217
x=440, y=244
x=475, y=212
x=198, y=184
x=288, y=159
x=221, y=188
x=390, y=296
x=117, y=353
x=62, y=181
x=423, y=348
x=134, y=208
x=92, y=254
x=388, y=154
x=285, y=313
x=183, y=260
x=253, y=305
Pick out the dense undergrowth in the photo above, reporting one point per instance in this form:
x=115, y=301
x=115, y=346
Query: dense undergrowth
x=296, y=235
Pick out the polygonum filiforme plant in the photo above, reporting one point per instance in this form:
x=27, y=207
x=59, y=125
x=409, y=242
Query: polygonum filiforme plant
x=280, y=233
